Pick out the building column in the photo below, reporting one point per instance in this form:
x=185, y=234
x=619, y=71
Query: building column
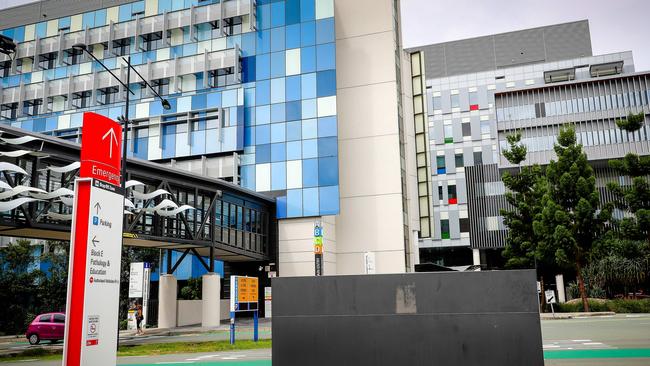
x=211, y=302
x=476, y=257
x=167, y=301
x=559, y=283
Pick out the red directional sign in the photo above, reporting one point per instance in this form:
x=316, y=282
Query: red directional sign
x=101, y=142
x=95, y=248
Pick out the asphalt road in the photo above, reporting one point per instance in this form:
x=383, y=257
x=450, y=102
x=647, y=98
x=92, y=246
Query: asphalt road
x=602, y=341
x=598, y=341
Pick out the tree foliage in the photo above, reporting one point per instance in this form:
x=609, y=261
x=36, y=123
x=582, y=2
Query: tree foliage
x=633, y=122
x=633, y=198
x=27, y=290
x=525, y=189
x=570, y=220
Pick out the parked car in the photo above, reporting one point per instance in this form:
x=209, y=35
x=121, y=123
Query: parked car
x=50, y=326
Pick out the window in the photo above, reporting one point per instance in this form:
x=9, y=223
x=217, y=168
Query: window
x=59, y=318
x=459, y=160
x=467, y=129
x=222, y=77
x=478, y=158
x=161, y=86
x=9, y=111
x=492, y=223
x=451, y=191
x=47, y=61
x=449, y=134
x=485, y=127
x=437, y=103
x=444, y=229
x=5, y=67
x=540, y=110
x=440, y=163
x=45, y=318
x=121, y=46
x=107, y=95
x=440, y=193
x=56, y=103
x=81, y=99
x=152, y=41
x=455, y=101
x=32, y=107
x=72, y=56
x=464, y=225
x=473, y=101
x=231, y=26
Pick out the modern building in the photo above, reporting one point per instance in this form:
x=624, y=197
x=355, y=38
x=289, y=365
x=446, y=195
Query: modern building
x=479, y=90
x=301, y=100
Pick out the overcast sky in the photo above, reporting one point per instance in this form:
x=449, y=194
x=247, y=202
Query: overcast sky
x=616, y=25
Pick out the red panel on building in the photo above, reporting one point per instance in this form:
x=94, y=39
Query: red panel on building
x=473, y=107
x=453, y=201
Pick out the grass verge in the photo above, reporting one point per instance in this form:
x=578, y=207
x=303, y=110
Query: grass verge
x=190, y=347
x=151, y=349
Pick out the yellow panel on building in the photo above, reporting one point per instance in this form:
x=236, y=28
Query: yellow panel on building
x=52, y=28
x=76, y=23
x=112, y=14
x=150, y=7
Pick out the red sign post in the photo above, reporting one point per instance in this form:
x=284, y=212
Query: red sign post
x=95, y=247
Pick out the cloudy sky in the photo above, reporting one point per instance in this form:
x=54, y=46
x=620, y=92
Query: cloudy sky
x=618, y=25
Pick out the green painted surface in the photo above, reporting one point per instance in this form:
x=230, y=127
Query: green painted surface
x=213, y=363
x=598, y=353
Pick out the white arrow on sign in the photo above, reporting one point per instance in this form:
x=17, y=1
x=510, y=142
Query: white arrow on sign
x=111, y=135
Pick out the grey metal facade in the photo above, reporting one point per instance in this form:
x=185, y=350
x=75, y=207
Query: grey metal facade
x=537, y=45
x=592, y=106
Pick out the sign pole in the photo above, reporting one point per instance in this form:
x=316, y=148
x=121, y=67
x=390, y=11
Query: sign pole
x=232, y=327
x=255, y=325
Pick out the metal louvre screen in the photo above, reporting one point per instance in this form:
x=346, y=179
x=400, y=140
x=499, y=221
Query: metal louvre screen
x=452, y=318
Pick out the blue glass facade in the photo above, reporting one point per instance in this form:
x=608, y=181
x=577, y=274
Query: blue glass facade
x=281, y=116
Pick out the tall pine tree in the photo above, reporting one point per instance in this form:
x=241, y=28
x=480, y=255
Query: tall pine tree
x=525, y=190
x=570, y=219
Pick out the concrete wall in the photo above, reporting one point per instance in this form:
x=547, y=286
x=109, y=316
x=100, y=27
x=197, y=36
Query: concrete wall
x=188, y=312
x=371, y=216
x=408, y=319
x=296, y=246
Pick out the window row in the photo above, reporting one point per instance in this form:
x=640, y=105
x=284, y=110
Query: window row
x=445, y=232
x=459, y=160
x=580, y=98
x=609, y=136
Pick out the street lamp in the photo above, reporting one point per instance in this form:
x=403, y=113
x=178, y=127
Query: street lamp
x=125, y=118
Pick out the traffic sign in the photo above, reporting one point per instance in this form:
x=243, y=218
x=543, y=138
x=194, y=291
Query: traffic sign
x=550, y=296
x=96, y=248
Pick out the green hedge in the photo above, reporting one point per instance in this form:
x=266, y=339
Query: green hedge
x=617, y=306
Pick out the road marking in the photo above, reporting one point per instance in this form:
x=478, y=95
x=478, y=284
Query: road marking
x=581, y=340
x=172, y=362
x=592, y=343
x=598, y=353
x=551, y=346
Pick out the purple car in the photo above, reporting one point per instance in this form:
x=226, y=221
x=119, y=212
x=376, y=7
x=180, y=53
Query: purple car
x=50, y=326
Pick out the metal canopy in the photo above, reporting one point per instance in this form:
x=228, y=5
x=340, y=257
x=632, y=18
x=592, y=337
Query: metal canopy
x=171, y=208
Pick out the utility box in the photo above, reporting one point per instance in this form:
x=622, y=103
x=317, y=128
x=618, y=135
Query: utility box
x=448, y=318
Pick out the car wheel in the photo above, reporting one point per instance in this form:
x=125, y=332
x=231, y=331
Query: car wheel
x=34, y=339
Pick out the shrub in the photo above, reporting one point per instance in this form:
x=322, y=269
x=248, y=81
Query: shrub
x=617, y=306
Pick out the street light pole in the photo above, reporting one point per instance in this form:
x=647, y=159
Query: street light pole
x=125, y=120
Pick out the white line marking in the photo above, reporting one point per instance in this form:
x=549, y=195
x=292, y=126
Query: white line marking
x=581, y=340
x=550, y=346
x=593, y=344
